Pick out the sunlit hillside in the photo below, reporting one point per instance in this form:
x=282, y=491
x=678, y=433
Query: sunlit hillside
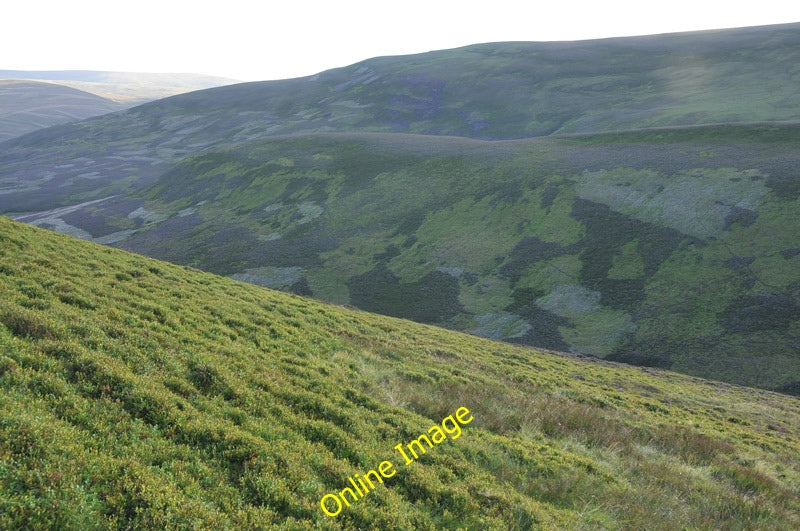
x=139, y=394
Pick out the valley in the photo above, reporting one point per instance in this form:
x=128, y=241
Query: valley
x=512, y=285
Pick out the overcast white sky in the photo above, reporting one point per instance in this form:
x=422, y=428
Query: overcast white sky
x=259, y=40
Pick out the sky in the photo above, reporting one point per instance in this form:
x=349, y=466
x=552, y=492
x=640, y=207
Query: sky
x=267, y=39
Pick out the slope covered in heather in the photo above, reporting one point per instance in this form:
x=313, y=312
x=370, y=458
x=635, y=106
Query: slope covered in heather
x=671, y=248
x=137, y=393
x=486, y=91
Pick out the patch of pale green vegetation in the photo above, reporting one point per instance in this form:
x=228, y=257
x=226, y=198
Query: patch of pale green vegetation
x=547, y=275
x=569, y=300
x=309, y=211
x=284, y=162
x=469, y=232
x=272, y=236
x=454, y=272
x=503, y=325
x=114, y=237
x=487, y=295
x=599, y=332
x=272, y=277
x=594, y=329
x=147, y=216
x=695, y=202
x=59, y=225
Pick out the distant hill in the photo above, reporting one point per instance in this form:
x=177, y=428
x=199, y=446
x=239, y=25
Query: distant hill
x=128, y=88
x=32, y=100
x=26, y=106
x=487, y=91
x=137, y=394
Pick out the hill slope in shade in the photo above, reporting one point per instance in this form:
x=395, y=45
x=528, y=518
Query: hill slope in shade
x=487, y=91
x=672, y=248
x=26, y=106
x=136, y=393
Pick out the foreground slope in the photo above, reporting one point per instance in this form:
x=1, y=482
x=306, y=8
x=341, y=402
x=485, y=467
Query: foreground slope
x=26, y=106
x=675, y=248
x=136, y=393
x=487, y=91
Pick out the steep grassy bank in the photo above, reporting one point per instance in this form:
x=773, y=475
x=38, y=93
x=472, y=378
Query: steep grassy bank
x=139, y=393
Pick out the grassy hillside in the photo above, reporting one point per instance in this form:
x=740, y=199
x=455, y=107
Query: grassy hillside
x=136, y=393
x=26, y=106
x=487, y=91
x=672, y=248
